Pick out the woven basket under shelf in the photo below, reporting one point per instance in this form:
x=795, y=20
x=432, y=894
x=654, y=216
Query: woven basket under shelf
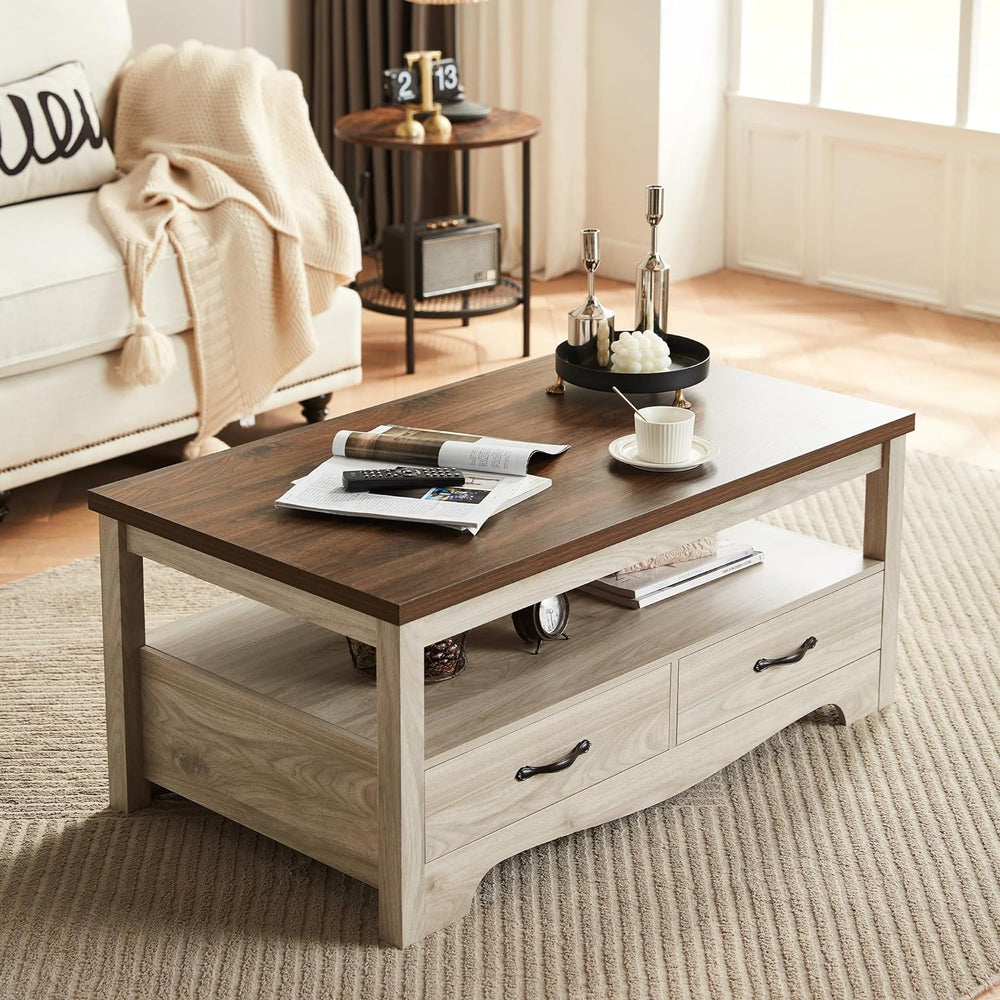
x=442, y=660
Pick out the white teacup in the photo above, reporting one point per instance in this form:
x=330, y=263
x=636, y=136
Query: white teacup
x=665, y=436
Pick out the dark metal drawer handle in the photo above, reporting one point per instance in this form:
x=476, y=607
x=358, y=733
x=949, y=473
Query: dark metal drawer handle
x=528, y=770
x=763, y=664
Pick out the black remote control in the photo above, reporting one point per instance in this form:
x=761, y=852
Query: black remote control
x=400, y=478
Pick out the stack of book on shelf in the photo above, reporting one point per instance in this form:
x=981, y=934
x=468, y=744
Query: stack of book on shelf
x=649, y=586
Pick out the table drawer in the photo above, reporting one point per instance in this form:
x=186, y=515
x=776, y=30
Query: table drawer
x=720, y=682
x=476, y=793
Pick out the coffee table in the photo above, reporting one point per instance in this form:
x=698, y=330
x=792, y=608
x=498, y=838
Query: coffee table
x=254, y=710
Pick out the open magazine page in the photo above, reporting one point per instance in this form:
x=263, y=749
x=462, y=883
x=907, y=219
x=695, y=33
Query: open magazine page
x=415, y=446
x=464, y=507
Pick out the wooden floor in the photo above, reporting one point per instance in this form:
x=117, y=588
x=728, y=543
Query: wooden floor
x=946, y=368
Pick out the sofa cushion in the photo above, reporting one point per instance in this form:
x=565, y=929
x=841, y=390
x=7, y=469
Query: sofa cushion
x=63, y=293
x=36, y=35
x=81, y=412
x=53, y=139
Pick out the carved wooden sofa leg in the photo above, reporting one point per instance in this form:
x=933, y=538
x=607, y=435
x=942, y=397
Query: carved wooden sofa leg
x=314, y=410
x=4, y=507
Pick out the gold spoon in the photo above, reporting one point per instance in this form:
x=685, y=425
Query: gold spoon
x=615, y=388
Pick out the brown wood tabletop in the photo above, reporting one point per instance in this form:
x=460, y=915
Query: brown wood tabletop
x=767, y=429
x=377, y=126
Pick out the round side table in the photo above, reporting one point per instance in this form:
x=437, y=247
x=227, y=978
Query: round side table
x=376, y=128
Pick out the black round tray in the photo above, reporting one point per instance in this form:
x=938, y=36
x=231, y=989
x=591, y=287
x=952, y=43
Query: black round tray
x=688, y=366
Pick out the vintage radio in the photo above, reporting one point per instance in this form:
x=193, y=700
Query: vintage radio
x=454, y=253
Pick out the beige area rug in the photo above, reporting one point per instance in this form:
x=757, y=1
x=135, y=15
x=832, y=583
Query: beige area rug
x=830, y=862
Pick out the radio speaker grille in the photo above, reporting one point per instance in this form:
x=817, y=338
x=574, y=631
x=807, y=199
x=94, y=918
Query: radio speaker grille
x=452, y=254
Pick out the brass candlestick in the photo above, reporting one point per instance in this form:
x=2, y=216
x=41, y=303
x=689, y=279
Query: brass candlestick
x=437, y=124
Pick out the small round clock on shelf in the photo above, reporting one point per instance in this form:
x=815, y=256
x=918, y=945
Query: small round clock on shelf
x=543, y=621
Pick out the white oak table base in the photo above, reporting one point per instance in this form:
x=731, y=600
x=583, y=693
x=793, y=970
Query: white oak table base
x=253, y=708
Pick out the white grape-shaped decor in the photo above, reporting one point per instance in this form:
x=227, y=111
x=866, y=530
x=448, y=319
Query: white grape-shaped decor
x=642, y=351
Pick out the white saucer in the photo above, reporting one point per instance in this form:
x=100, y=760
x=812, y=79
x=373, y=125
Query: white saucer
x=702, y=451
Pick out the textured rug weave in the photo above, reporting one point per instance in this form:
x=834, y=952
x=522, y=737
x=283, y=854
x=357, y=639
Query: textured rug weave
x=830, y=862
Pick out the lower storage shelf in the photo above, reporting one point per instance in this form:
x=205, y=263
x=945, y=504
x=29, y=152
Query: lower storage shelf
x=504, y=688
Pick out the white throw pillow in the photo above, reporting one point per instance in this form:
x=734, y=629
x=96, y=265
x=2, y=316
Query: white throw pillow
x=51, y=137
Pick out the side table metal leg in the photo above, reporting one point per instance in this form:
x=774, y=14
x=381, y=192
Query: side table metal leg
x=124, y=615
x=400, y=756
x=526, y=242
x=409, y=280
x=465, y=182
x=465, y=211
x=883, y=531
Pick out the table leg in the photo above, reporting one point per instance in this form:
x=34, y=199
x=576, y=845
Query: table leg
x=883, y=531
x=400, y=754
x=464, y=157
x=465, y=181
x=526, y=242
x=124, y=617
x=409, y=280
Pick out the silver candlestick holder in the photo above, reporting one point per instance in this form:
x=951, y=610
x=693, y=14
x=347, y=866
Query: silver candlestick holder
x=652, y=275
x=591, y=326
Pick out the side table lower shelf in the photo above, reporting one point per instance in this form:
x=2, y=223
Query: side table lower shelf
x=461, y=305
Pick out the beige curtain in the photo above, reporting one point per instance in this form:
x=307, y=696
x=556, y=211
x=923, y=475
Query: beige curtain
x=344, y=45
x=531, y=55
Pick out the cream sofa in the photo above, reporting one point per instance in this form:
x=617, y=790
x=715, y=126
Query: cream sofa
x=64, y=303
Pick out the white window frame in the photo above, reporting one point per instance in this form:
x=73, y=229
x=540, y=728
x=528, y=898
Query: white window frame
x=880, y=206
x=969, y=17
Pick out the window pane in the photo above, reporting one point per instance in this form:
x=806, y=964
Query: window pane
x=775, y=49
x=892, y=57
x=984, y=98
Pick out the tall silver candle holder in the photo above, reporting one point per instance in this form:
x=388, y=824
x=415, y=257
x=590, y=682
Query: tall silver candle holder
x=652, y=275
x=591, y=326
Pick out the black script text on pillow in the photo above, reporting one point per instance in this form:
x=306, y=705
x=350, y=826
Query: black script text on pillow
x=51, y=139
x=63, y=141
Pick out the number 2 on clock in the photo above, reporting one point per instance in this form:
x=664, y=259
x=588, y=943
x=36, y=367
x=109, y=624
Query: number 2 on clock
x=405, y=81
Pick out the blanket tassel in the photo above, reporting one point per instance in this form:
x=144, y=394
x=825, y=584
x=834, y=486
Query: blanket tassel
x=147, y=355
x=198, y=447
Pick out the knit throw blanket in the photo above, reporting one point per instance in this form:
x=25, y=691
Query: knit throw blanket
x=219, y=158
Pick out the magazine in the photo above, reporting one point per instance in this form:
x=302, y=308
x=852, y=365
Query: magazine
x=465, y=508
x=415, y=446
x=689, y=583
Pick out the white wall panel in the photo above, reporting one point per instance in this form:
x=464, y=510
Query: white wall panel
x=895, y=209
x=770, y=209
x=980, y=263
x=883, y=222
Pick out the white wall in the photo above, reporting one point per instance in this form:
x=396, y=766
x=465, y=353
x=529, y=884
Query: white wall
x=623, y=109
x=691, y=158
x=263, y=24
x=656, y=115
